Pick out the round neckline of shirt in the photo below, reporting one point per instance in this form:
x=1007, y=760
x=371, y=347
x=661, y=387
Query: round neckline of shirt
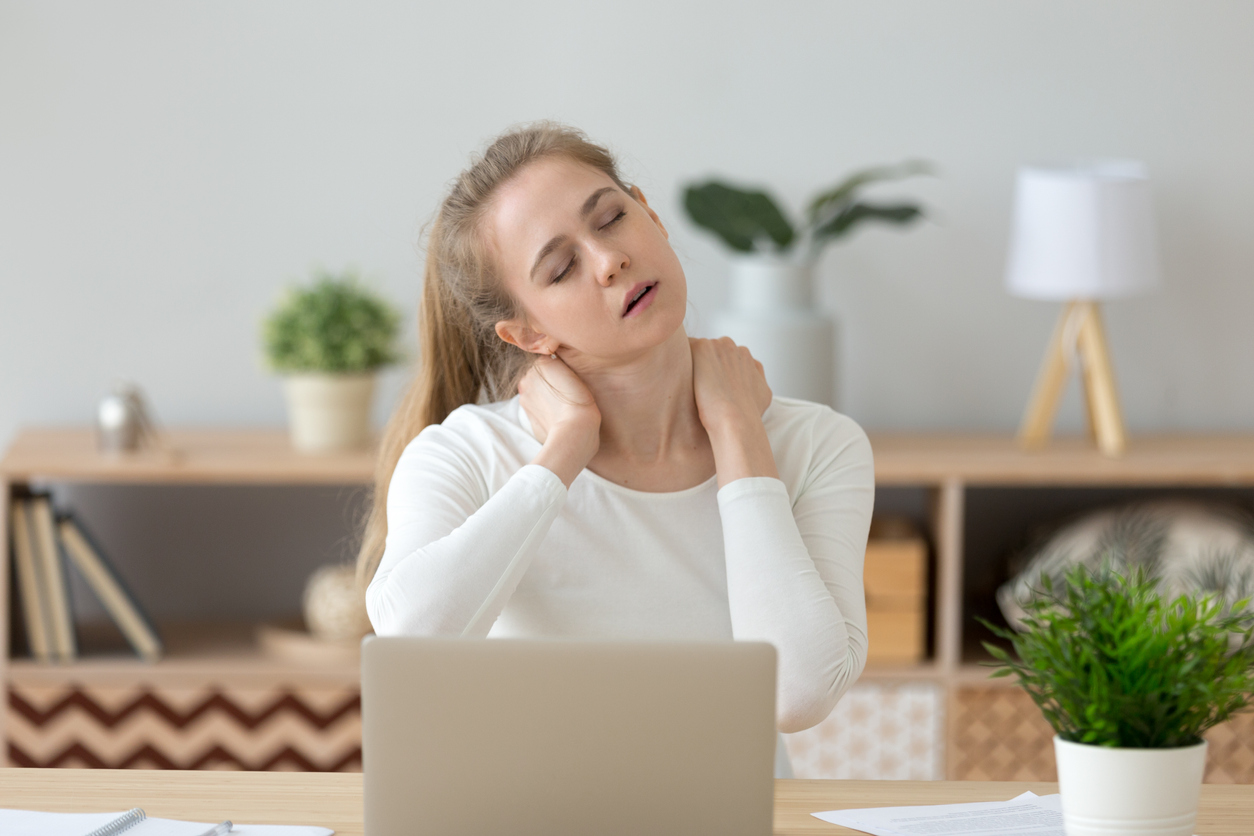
x=525, y=423
x=601, y=480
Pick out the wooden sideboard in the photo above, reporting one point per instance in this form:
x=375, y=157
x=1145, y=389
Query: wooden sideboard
x=214, y=682
x=214, y=700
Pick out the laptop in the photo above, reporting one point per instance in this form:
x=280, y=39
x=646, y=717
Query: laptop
x=474, y=737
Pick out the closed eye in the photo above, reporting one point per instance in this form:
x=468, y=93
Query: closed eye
x=571, y=264
x=565, y=271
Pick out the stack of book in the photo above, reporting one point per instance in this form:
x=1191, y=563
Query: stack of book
x=42, y=540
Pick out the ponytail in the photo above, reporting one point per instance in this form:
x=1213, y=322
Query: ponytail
x=461, y=360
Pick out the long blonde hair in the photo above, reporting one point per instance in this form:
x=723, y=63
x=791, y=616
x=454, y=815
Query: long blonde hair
x=460, y=358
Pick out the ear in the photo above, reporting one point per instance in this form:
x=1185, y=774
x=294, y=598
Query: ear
x=639, y=197
x=518, y=334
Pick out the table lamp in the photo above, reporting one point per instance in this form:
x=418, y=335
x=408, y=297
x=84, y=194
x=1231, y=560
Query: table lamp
x=1081, y=233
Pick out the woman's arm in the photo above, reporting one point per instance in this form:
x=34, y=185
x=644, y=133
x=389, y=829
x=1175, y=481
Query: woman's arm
x=794, y=570
x=454, y=554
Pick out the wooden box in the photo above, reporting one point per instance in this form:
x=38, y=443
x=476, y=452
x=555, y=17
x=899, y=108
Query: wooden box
x=895, y=578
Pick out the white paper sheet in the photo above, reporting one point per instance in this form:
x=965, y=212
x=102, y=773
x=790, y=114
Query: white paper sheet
x=1025, y=815
x=33, y=823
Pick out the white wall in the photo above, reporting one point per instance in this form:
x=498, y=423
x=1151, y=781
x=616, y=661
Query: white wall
x=165, y=169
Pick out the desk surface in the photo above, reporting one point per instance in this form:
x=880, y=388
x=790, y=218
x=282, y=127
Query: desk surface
x=334, y=800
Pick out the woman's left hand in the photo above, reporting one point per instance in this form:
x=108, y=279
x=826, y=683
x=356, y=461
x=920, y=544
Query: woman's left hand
x=731, y=393
x=728, y=383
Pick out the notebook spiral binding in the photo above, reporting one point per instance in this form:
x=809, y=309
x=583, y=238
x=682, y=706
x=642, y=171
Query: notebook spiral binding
x=125, y=822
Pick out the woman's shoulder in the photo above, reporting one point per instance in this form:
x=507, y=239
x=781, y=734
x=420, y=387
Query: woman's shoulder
x=489, y=432
x=793, y=421
x=807, y=437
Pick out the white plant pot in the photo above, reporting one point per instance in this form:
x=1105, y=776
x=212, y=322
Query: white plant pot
x=772, y=313
x=329, y=412
x=1129, y=792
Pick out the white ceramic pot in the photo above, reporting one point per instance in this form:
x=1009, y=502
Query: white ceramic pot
x=1129, y=792
x=329, y=412
x=772, y=313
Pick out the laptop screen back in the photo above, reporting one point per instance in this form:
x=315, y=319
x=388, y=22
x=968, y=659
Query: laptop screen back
x=465, y=737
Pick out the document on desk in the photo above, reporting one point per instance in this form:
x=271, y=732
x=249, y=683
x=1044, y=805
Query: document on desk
x=33, y=823
x=1025, y=815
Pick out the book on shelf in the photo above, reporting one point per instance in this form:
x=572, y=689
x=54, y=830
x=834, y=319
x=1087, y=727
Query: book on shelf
x=29, y=585
x=42, y=542
x=52, y=573
x=90, y=561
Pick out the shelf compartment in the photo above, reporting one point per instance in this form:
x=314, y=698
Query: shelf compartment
x=214, y=702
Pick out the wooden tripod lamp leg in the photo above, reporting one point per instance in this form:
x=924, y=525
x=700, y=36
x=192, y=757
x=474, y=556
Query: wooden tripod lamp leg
x=1099, y=382
x=1038, y=420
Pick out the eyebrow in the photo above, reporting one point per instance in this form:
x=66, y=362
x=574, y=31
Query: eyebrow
x=584, y=211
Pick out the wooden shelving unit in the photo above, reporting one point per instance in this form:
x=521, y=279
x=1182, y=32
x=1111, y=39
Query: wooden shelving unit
x=944, y=469
x=214, y=700
x=992, y=729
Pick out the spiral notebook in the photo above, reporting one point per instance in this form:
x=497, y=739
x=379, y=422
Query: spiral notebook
x=32, y=823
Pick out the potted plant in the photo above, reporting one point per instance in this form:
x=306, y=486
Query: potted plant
x=772, y=308
x=328, y=340
x=1129, y=680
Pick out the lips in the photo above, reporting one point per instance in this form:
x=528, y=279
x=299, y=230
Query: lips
x=639, y=297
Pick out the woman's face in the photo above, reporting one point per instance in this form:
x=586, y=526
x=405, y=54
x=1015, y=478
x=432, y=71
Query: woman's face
x=589, y=264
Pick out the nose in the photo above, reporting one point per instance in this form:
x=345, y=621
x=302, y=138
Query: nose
x=610, y=265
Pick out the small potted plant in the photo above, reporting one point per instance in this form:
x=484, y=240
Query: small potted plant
x=328, y=340
x=1130, y=681
x=772, y=305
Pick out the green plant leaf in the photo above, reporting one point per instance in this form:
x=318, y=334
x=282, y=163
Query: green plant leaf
x=851, y=216
x=1110, y=662
x=333, y=326
x=832, y=200
x=743, y=219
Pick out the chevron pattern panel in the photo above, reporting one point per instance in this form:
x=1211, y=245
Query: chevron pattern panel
x=877, y=731
x=141, y=727
x=998, y=734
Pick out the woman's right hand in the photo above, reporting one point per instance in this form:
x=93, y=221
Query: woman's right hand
x=563, y=415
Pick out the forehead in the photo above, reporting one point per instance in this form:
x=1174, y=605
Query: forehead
x=540, y=201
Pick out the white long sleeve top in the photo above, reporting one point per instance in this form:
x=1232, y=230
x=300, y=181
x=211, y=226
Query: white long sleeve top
x=481, y=543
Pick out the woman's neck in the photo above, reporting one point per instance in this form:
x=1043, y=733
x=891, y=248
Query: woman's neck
x=649, y=419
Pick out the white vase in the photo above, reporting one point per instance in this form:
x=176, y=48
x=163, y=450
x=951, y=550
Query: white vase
x=329, y=413
x=773, y=313
x=1129, y=792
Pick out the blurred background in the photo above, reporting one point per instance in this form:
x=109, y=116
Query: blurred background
x=166, y=170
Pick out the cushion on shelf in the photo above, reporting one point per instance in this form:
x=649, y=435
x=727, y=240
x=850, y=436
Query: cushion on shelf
x=1189, y=547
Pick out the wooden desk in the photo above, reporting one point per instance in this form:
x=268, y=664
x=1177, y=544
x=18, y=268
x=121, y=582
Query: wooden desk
x=334, y=800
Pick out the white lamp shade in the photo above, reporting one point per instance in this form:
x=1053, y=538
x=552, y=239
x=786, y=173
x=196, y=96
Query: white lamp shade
x=1082, y=232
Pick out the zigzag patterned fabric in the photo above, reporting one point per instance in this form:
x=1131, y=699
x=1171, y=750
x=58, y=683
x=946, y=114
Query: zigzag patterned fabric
x=314, y=730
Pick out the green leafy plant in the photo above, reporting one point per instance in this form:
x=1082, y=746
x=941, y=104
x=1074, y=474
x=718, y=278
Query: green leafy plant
x=750, y=221
x=333, y=326
x=1110, y=662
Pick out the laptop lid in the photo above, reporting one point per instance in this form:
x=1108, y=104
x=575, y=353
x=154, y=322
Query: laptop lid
x=467, y=737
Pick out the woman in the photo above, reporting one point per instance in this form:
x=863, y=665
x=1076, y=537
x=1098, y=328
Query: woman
x=641, y=484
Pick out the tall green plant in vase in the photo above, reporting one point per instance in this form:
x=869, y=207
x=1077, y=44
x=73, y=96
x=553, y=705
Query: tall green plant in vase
x=1129, y=681
x=772, y=298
